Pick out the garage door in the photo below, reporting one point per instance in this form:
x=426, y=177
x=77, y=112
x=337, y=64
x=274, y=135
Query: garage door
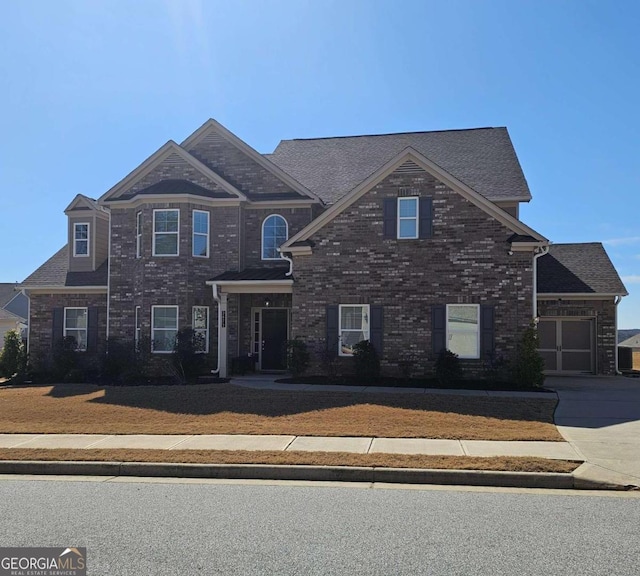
x=566, y=345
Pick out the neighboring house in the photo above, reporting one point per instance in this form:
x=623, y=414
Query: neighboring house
x=412, y=241
x=14, y=310
x=633, y=344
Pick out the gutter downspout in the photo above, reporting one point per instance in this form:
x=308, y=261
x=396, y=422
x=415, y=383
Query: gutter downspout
x=616, y=301
x=288, y=259
x=538, y=252
x=216, y=297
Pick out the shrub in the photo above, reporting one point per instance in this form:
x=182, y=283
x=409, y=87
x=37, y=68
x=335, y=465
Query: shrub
x=116, y=360
x=496, y=368
x=187, y=359
x=297, y=356
x=528, y=370
x=13, y=356
x=448, y=369
x=366, y=360
x=64, y=358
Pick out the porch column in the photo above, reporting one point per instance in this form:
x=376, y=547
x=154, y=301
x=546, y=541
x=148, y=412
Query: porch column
x=222, y=335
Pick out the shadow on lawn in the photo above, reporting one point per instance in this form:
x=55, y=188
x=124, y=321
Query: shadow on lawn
x=70, y=390
x=224, y=398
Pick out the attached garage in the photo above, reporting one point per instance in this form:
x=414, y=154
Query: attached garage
x=578, y=291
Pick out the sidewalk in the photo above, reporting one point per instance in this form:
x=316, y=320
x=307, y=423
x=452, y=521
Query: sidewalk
x=424, y=446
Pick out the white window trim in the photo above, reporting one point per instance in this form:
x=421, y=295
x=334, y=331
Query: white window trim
x=137, y=325
x=416, y=200
x=86, y=328
x=340, y=307
x=448, y=332
x=177, y=233
x=138, y=234
x=153, y=309
x=286, y=236
x=75, y=248
x=194, y=233
x=206, y=347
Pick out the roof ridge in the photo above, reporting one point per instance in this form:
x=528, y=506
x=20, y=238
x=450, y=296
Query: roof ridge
x=398, y=133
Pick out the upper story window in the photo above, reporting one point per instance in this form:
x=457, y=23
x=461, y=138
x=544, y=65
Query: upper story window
x=275, y=232
x=75, y=326
x=408, y=217
x=165, y=232
x=201, y=233
x=81, y=239
x=138, y=234
x=463, y=330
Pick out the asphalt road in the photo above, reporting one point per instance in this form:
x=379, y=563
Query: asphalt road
x=134, y=528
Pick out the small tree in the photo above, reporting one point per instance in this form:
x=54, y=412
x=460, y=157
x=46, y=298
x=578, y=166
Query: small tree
x=297, y=356
x=366, y=360
x=13, y=356
x=448, y=369
x=529, y=366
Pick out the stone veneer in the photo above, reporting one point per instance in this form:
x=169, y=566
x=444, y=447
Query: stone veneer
x=604, y=312
x=466, y=261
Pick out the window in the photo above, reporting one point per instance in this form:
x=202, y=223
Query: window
x=201, y=328
x=201, y=233
x=164, y=328
x=165, y=232
x=463, y=330
x=353, y=327
x=138, y=234
x=75, y=326
x=274, y=233
x=81, y=239
x=408, y=217
x=137, y=327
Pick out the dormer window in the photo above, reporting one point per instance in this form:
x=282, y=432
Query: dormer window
x=275, y=232
x=81, y=239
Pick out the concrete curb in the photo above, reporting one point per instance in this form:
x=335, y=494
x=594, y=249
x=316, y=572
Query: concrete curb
x=317, y=473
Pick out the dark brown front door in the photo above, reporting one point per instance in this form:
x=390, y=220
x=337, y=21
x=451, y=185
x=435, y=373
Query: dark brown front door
x=275, y=330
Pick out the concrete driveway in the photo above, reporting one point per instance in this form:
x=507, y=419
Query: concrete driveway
x=600, y=417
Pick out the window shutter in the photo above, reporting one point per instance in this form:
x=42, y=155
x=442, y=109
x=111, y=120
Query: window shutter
x=92, y=330
x=426, y=218
x=487, y=340
x=58, y=320
x=390, y=218
x=438, y=328
x=375, y=328
x=332, y=330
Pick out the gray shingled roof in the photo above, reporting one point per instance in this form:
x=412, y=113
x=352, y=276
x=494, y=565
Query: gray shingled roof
x=253, y=274
x=175, y=186
x=7, y=292
x=482, y=158
x=55, y=272
x=578, y=268
x=633, y=342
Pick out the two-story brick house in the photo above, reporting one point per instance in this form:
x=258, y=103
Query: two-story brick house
x=412, y=241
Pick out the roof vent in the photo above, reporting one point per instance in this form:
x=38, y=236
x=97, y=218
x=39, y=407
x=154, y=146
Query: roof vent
x=409, y=167
x=213, y=137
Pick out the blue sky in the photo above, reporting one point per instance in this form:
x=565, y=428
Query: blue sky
x=89, y=89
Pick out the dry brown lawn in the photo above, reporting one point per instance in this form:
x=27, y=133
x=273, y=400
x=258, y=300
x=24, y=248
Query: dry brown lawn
x=228, y=409
x=300, y=458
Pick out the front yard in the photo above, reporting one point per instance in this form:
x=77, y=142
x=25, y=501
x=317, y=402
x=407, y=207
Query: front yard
x=228, y=409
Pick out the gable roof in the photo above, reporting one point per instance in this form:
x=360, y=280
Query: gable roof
x=482, y=158
x=212, y=126
x=633, y=342
x=413, y=156
x=177, y=186
x=82, y=202
x=578, y=269
x=7, y=315
x=54, y=273
x=155, y=160
x=7, y=293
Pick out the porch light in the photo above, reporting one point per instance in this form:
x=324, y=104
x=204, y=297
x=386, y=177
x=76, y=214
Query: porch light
x=267, y=302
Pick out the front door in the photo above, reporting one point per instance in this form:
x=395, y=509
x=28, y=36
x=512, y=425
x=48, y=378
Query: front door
x=566, y=345
x=275, y=331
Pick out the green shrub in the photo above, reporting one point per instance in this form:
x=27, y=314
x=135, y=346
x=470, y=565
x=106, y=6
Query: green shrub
x=297, y=356
x=187, y=359
x=13, y=356
x=528, y=371
x=64, y=358
x=448, y=368
x=366, y=360
x=116, y=360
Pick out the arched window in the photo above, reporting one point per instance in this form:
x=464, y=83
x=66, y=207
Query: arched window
x=275, y=231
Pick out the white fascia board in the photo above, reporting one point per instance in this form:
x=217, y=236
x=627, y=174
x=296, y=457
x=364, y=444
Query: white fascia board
x=577, y=296
x=172, y=199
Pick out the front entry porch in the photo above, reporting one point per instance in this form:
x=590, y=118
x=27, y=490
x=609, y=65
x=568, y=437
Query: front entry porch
x=254, y=319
